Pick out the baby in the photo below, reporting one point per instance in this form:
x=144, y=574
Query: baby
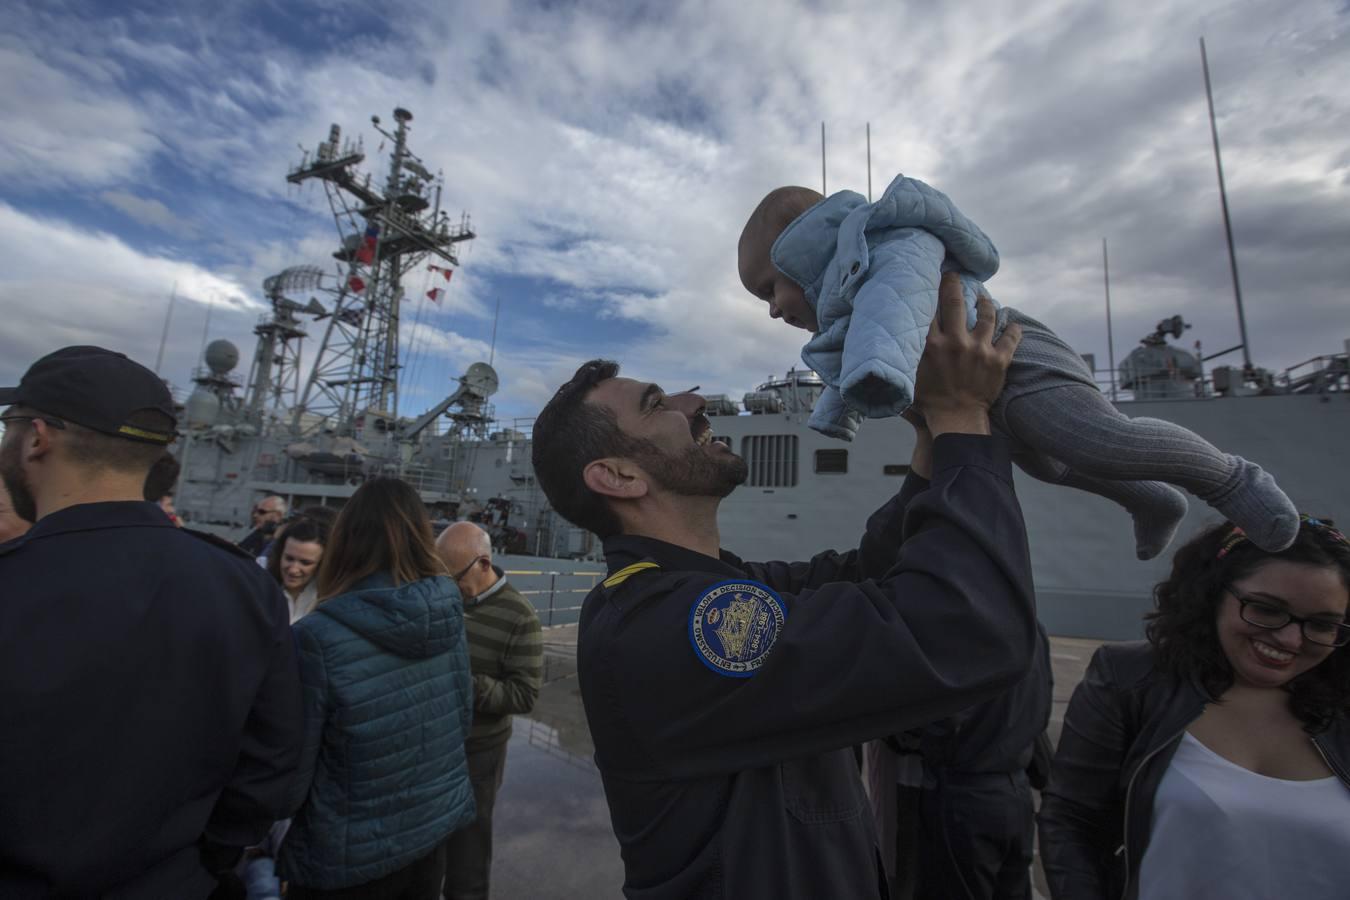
x=863, y=279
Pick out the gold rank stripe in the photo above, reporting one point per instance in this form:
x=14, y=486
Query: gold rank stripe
x=155, y=436
x=627, y=572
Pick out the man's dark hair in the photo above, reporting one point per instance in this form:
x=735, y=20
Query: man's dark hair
x=96, y=450
x=1184, y=629
x=569, y=434
x=163, y=477
x=324, y=516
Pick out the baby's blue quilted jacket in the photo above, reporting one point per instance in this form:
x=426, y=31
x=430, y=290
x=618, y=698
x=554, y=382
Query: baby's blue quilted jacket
x=871, y=273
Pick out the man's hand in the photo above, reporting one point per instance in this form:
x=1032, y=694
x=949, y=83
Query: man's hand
x=961, y=372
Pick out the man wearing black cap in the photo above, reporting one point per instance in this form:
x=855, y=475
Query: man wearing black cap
x=149, y=693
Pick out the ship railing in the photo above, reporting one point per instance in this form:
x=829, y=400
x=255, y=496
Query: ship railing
x=1199, y=388
x=523, y=425
x=426, y=479
x=1319, y=375
x=555, y=594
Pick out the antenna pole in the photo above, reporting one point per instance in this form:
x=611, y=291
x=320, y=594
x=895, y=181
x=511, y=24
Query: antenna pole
x=492, y=354
x=822, y=160
x=869, y=162
x=164, y=337
x=1110, y=341
x=1223, y=200
x=206, y=327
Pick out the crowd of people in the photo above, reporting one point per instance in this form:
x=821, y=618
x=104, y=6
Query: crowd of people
x=319, y=712
x=323, y=710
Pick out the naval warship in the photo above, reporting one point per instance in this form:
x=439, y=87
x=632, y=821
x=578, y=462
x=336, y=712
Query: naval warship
x=313, y=434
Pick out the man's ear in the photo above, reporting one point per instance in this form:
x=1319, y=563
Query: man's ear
x=38, y=442
x=616, y=478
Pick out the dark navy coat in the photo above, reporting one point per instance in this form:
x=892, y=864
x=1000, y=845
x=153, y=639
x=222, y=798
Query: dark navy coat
x=149, y=705
x=722, y=696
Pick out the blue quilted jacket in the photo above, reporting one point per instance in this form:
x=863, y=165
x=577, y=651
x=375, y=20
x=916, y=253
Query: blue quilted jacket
x=871, y=271
x=388, y=702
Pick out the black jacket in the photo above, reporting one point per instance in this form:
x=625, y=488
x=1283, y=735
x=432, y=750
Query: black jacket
x=1122, y=727
x=149, y=706
x=998, y=735
x=740, y=784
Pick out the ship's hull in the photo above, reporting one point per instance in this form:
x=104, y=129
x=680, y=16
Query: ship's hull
x=1089, y=583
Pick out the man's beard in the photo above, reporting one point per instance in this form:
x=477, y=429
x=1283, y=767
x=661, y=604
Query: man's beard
x=16, y=482
x=696, y=472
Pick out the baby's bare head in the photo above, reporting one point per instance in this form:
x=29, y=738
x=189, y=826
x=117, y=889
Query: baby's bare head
x=774, y=213
x=758, y=273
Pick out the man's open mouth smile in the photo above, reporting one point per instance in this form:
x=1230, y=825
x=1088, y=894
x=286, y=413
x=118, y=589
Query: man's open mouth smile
x=701, y=430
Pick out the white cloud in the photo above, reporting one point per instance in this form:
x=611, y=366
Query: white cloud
x=613, y=158
x=148, y=211
x=62, y=285
x=64, y=129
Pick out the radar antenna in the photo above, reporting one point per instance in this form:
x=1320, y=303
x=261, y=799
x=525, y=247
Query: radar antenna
x=384, y=236
x=274, y=378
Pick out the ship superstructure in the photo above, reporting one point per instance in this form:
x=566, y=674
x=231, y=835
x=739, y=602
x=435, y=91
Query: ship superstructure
x=311, y=429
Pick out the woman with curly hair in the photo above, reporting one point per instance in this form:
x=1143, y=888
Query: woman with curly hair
x=1213, y=759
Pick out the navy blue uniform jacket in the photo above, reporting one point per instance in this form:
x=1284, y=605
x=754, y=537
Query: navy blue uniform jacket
x=149, y=704
x=742, y=787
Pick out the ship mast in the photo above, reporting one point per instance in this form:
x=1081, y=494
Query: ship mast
x=1227, y=221
x=384, y=236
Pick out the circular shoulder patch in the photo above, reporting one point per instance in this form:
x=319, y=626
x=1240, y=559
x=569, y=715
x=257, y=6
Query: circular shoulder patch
x=733, y=626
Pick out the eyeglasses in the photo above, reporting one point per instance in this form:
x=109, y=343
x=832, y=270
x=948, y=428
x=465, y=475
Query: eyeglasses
x=1268, y=615
x=54, y=423
x=465, y=571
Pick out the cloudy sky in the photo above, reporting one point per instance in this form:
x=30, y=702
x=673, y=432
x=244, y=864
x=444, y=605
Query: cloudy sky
x=608, y=154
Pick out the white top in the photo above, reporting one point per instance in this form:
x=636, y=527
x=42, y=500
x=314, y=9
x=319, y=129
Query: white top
x=1222, y=832
x=304, y=604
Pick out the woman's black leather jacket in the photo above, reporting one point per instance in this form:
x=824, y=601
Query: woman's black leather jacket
x=1121, y=729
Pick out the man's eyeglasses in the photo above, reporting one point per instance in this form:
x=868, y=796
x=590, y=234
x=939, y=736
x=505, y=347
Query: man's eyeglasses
x=465, y=571
x=53, y=423
x=1272, y=616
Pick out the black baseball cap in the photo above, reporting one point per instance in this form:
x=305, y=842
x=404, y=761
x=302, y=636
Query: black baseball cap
x=97, y=388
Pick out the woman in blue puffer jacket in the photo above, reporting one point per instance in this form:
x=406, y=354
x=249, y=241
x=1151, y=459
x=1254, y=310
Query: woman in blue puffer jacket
x=388, y=701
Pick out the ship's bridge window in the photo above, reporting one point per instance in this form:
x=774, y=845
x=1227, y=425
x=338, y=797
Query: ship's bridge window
x=771, y=458
x=895, y=469
x=831, y=462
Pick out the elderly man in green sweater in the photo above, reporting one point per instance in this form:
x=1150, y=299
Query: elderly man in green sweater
x=506, y=655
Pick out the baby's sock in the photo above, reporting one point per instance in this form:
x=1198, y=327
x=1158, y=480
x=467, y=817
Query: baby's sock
x=1157, y=508
x=1157, y=516
x=1253, y=501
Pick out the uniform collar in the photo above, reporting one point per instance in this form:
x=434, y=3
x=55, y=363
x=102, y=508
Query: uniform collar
x=625, y=549
x=97, y=516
